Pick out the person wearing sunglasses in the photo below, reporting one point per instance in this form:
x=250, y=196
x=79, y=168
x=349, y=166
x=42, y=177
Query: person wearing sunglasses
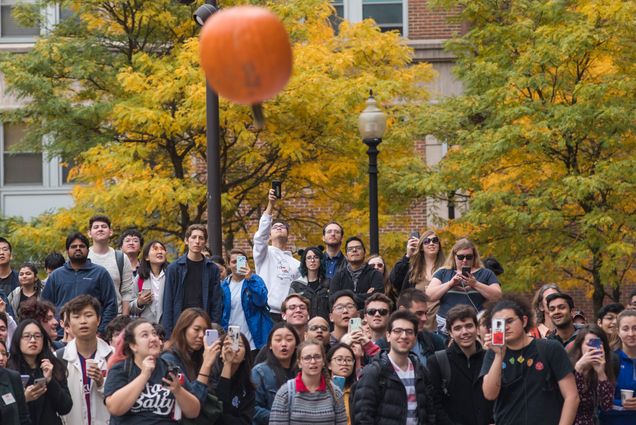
x=376, y=313
x=424, y=255
x=462, y=280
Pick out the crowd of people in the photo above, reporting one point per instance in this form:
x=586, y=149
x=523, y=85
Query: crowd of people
x=121, y=336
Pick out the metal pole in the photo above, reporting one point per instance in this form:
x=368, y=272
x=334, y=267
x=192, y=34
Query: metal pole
x=374, y=238
x=214, y=171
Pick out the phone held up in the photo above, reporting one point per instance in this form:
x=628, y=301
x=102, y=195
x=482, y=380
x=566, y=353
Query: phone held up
x=277, y=185
x=414, y=234
x=498, y=332
x=234, y=332
x=241, y=262
x=211, y=335
x=355, y=323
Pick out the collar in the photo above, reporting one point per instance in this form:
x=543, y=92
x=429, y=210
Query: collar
x=302, y=388
x=335, y=257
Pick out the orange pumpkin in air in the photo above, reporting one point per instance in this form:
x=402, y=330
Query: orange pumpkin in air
x=246, y=54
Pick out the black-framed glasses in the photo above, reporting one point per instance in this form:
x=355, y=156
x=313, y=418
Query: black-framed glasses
x=374, y=311
x=314, y=328
x=400, y=332
x=468, y=257
x=428, y=241
x=343, y=360
x=355, y=248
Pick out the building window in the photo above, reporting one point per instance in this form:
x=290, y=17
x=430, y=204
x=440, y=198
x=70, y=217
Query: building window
x=390, y=15
x=19, y=167
x=10, y=28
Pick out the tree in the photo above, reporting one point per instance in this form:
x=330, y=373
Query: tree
x=543, y=146
x=118, y=90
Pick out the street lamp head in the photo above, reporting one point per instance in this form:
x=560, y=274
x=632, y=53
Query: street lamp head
x=372, y=121
x=203, y=13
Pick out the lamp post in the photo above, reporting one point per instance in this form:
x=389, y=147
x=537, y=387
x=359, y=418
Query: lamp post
x=212, y=152
x=371, y=124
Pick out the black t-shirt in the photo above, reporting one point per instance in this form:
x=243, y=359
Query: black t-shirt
x=154, y=406
x=529, y=393
x=193, y=284
x=457, y=296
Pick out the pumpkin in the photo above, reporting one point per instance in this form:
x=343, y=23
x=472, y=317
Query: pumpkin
x=246, y=54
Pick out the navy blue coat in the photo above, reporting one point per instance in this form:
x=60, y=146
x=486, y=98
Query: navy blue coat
x=173, y=292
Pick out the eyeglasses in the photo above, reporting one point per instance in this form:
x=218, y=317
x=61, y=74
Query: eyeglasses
x=292, y=307
x=374, y=311
x=340, y=307
x=308, y=258
x=467, y=257
x=400, y=331
x=312, y=357
x=314, y=328
x=428, y=241
x=377, y=265
x=355, y=248
x=343, y=360
x=28, y=337
x=278, y=227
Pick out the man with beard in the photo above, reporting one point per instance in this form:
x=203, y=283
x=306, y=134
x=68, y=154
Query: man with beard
x=357, y=275
x=560, y=308
x=395, y=388
x=332, y=234
x=80, y=276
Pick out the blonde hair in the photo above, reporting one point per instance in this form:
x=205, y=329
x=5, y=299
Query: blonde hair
x=463, y=243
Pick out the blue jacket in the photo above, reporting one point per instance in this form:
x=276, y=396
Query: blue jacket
x=173, y=292
x=626, y=380
x=264, y=381
x=255, y=308
x=64, y=284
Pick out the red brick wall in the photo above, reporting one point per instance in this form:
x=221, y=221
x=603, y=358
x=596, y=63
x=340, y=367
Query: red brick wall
x=425, y=23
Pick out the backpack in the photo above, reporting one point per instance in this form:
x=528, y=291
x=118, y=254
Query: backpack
x=445, y=370
x=291, y=395
x=119, y=258
x=352, y=390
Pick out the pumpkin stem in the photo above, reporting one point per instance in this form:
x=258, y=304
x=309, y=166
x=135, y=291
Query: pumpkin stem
x=259, y=117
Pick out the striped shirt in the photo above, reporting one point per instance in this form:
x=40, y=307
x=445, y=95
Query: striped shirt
x=408, y=380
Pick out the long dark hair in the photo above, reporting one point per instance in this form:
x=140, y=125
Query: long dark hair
x=280, y=372
x=192, y=360
x=575, y=352
x=17, y=360
x=351, y=379
x=303, y=262
x=144, y=269
x=243, y=376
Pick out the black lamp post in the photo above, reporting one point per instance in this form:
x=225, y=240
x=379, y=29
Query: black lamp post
x=213, y=157
x=371, y=124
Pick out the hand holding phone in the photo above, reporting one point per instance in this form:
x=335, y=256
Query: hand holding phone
x=211, y=335
x=277, y=185
x=498, y=332
x=234, y=332
x=241, y=262
x=355, y=324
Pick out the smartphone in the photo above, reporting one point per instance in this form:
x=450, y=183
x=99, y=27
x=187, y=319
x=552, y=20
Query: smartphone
x=414, y=234
x=277, y=185
x=339, y=381
x=241, y=261
x=595, y=343
x=498, y=332
x=25, y=380
x=211, y=335
x=174, y=370
x=235, y=334
x=39, y=382
x=355, y=323
x=465, y=271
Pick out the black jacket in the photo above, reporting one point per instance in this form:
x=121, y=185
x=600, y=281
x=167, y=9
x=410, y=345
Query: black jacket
x=369, y=278
x=16, y=412
x=427, y=341
x=399, y=276
x=380, y=398
x=55, y=401
x=318, y=298
x=238, y=398
x=464, y=402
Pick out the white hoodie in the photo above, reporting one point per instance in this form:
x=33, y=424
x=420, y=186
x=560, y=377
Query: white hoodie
x=277, y=267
